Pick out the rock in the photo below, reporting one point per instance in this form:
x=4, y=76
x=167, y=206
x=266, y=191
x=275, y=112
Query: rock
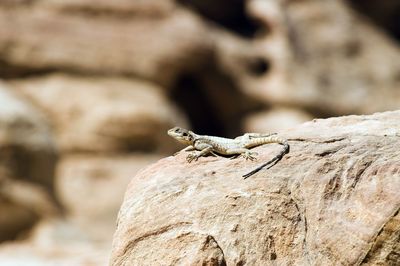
x=26, y=146
x=155, y=40
x=91, y=188
x=333, y=199
x=54, y=242
x=23, y=204
x=315, y=55
x=25, y=254
x=275, y=120
x=385, y=14
x=27, y=162
x=103, y=114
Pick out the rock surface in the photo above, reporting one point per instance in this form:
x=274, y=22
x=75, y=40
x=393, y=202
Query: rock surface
x=383, y=13
x=54, y=243
x=155, y=39
x=103, y=114
x=108, y=76
x=22, y=204
x=275, y=120
x=334, y=199
x=27, y=163
x=27, y=150
x=316, y=55
x=91, y=188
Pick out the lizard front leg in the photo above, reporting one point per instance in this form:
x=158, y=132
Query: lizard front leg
x=194, y=156
x=188, y=148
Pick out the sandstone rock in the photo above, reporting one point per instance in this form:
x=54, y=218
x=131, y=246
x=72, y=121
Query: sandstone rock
x=103, y=114
x=384, y=13
x=59, y=231
x=275, y=120
x=27, y=161
x=25, y=254
x=22, y=204
x=91, y=188
x=53, y=243
x=26, y=147
x=317, y=55
x=154, y=40
x=334, y=199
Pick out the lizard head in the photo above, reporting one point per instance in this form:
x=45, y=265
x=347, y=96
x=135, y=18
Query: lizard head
x=182, y=135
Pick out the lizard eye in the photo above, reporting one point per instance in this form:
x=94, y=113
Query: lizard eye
x=185, y=134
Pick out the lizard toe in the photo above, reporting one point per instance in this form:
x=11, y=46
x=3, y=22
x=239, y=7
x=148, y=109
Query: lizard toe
x=192, y=157
x=234, y=156
x=250, y=156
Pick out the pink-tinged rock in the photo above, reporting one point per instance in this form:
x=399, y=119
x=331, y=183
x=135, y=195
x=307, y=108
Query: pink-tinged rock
x=334, y=199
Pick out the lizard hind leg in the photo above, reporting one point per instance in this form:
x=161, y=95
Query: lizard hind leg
x=246, y=153
x=234, y=156
x=213, y=154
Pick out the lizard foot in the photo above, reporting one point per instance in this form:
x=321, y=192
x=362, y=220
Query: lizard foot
x=248, y=155
x=191, y=157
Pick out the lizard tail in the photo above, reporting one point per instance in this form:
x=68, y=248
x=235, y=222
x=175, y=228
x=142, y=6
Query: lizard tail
x=273, y=161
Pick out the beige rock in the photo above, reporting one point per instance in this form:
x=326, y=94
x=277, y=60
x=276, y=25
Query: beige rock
x=334, y=199
x=103, y=114
x=59, y=231
x=317, y=55
x=26, y=146
x=14, y=220
x=22, y=204
x=52, y=243
x=385, y=14
x=25, y=254
x=275, y=120
x=55, y=242
x=27, y=161
x=91, y=189
x=154, y=40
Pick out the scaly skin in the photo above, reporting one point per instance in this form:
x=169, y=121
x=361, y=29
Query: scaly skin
x=224, y=146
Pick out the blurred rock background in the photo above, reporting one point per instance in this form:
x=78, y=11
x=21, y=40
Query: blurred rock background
x=89, y=88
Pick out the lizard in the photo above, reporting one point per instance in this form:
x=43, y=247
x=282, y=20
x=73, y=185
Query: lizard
x=239, y=146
